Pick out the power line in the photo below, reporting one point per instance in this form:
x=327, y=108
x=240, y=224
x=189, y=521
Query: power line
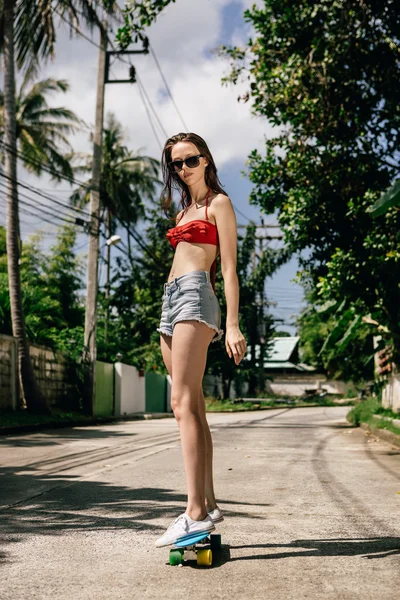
x=78, y=31
x=35, y=214
x=149, y=117
x=151, y=106
x=145, y=97
x=38, y=192
x=168, y=88
x=42, y=211
x=35, y=162
x=121, y=22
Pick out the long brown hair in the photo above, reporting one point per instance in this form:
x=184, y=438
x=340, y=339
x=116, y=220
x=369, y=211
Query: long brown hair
x=172, y=181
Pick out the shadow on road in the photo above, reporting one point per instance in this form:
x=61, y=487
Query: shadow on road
x=52, y=437
x=365, y=547
x=220, y=558
x=66, y=505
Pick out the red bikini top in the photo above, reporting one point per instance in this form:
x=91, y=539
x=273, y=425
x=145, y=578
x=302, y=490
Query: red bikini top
x=198, y=231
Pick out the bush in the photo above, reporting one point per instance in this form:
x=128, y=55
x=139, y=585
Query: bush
x=363, y=411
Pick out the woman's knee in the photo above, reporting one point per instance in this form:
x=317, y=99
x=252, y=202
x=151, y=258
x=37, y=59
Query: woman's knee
x=184, y=405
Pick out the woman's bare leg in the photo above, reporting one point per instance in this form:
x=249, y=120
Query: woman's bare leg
x=166, y=350
x=190, y=342
x=211, y=503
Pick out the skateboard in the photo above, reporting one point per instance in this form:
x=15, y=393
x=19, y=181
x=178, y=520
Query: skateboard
x=199, y=546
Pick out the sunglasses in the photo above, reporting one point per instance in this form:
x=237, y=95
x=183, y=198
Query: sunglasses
x=191, y=162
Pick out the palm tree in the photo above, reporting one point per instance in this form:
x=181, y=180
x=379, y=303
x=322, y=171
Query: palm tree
x=41, y=130
x=29, y=25
x=126, y=179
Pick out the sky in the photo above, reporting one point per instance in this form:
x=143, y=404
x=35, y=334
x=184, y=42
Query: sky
x=184, y=39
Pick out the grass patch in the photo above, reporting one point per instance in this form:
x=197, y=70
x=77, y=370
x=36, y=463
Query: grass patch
x=364, y=413
x=216, y=405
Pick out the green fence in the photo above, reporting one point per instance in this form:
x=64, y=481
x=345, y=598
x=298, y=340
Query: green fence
x=156, y=393
x=104, y=405
x=104, y=397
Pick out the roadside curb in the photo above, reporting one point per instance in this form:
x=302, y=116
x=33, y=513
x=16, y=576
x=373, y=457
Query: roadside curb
x=290, y=406
x=34, y=427
x=383, y=434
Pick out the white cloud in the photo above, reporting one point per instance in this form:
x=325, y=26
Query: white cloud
x=182, y=38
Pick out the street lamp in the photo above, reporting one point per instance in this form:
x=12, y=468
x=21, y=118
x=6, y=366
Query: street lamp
x=112, y=241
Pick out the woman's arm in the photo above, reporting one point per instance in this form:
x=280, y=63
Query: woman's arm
x=225, y=220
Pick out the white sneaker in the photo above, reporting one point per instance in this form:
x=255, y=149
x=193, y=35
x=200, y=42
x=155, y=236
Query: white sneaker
x=183, y=527
x=216, y=515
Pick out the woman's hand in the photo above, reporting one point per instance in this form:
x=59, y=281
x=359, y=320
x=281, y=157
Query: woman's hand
x=235, y=343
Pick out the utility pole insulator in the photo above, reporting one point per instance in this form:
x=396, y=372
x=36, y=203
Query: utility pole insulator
x=146, y=44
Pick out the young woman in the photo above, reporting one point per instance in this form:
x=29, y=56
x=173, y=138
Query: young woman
x=191, y=316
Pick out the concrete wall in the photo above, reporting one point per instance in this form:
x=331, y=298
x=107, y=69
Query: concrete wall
x=293, y=387
x=52, y=375
x=51, y=371
x=129, y=390
x=9, y=385
x=391, y=393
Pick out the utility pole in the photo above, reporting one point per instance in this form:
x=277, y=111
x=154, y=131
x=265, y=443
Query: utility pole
x=90, y=345
x=92, y=277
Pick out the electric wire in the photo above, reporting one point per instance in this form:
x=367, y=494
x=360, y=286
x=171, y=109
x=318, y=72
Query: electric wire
x=165, y=82
x=81, y=213
x=168, y=88
x=39, y=212
x=35, y=214
x=35, y=162
x=143, y=94
x=145, y=98
x=149, y=117
x=78, y=31
x=145, y=247
x=140, y=83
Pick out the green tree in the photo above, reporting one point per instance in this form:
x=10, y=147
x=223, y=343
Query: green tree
x=328, y=343
x=136, y=302
x=127, y=180
x=41, y=129
x=51, y=284
x=137, y=16
x=256, y=324
x=28, y=26
x=136, y=306
x=326, y=74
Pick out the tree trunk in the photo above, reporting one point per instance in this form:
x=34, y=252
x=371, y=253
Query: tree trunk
x=34, y=399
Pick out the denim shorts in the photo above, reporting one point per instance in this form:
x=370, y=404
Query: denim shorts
x=190, y=297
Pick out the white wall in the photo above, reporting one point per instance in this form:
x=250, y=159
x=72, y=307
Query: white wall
x=169, y=384
x=299, y=387
x=391, y=393
x=129, y=390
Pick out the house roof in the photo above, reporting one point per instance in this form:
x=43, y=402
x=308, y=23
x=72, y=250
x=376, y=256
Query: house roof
x=282, y=365
x=280, y=354
x=282, y=348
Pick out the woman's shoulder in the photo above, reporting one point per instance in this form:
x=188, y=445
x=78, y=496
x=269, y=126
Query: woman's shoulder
x=220, y=201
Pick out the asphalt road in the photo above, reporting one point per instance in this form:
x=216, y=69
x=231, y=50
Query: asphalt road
x=311, y=511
